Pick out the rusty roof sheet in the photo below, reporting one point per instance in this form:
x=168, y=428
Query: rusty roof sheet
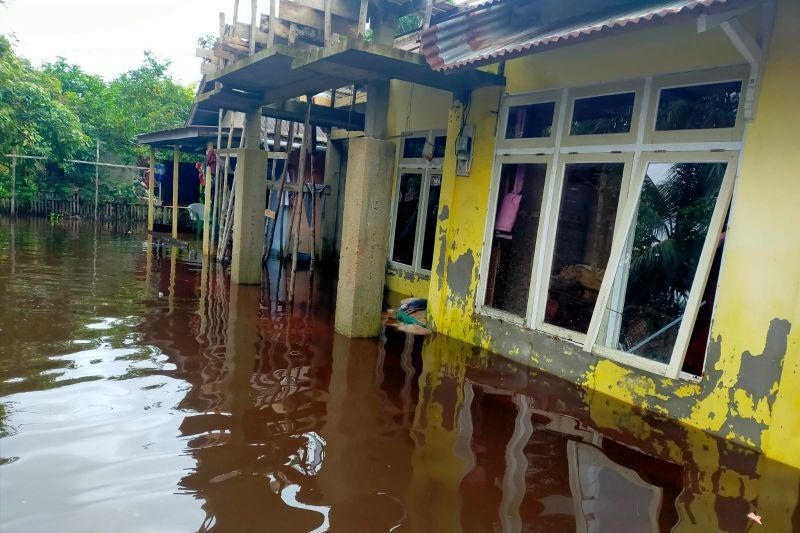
x=491, y=31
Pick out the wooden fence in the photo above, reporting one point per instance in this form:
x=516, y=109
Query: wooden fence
x=85, y=210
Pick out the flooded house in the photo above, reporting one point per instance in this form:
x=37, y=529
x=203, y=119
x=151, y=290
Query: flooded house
x=601, y=190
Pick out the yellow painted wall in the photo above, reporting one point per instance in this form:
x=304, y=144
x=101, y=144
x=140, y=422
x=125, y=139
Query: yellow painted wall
x=413, y=108
x=758, y=298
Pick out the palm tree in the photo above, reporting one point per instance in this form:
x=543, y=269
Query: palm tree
x=672, y=223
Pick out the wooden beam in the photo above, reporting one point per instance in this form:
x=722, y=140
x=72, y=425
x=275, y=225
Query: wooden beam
x=273, y=15
x=209, y=68
x=348, y=9
x=305, y=16
x=320, y=115
x=362, y=18
x=204, y=53
x=253, y=28
x=327, y=35
x=426, y=20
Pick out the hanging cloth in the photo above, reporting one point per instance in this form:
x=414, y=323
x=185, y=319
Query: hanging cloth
x=509, y=207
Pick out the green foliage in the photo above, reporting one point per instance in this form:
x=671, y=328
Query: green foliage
x=207, y=41
x=407, y=24
x=59, y=112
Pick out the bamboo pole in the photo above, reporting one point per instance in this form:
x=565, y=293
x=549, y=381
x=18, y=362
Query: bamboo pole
x=281, y=185
x=13, y=183
x=235, y=12
x=176, y=168
x=227, y=169
x=215, y=211
x=151, y=189
x=298, y=210
x=207, y=203
x=226, y=230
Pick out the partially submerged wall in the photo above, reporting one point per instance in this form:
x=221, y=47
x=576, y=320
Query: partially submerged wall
x=412, y=108
x=750, y=392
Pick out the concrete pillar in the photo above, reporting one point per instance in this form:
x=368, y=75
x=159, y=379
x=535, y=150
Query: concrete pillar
x=151, y=189
x=176, y=162
x=365, y=231
x=207, y=207
x=250, y=193
x=375, y=118
x=330, y=211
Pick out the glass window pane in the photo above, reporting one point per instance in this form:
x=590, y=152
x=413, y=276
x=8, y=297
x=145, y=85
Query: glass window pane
x=585, y=229
x=405, y=229
x=431, y=216
x=439, y=145
x=519, y=205
x=709, y=106
x=530, y=121
x=597, y=115
x=414, y=147
x=652, y=287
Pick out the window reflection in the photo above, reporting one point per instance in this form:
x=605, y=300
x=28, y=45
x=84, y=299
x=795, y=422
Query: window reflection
x=675, y=209
x=597, y=115
x=707, y=106
x=585, y=228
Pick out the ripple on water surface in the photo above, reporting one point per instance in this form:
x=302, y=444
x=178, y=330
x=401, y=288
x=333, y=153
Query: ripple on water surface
x=140, y=391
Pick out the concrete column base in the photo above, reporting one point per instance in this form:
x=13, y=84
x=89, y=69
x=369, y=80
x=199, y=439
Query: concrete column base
x=365, y=237
x=248, y=217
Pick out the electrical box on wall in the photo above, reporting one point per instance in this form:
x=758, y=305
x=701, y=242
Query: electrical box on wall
x=464, y=151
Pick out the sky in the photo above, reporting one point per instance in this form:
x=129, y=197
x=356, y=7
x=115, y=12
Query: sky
x=108, y=37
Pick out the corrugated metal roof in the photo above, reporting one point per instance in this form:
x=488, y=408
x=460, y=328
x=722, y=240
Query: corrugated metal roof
x=495, y=30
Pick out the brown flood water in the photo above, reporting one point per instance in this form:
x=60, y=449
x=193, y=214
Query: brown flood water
x=142, y=392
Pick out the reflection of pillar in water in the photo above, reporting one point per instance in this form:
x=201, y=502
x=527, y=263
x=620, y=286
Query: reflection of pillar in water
x=514, y=486
x=203, y=303
x=148, y=272
x=173, y=262
x=442, y=433
x=365, y=472
x=240, y=348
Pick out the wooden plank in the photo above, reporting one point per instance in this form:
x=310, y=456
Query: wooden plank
x=209, y=68
x=306, y=16
x=347, y=9
x=204, y=53
x=222, y=53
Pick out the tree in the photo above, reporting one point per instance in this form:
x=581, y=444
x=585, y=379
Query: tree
x=60, y=112
x=34, y=119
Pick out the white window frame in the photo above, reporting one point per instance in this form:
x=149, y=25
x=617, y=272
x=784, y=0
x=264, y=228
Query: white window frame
x=618, y=255
x=488, y=236
x=687, y=79
x=526, y=145
x=550, y=217
x=637, y=148
x=427, y=169
x=607, y=89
